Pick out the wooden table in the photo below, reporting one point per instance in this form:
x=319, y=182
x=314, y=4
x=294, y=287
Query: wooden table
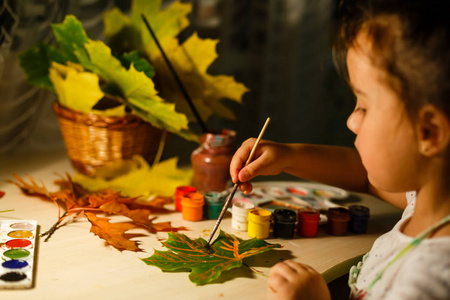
x=75, y=263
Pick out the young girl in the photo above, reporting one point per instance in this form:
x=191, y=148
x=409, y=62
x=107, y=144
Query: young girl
x=397, y=64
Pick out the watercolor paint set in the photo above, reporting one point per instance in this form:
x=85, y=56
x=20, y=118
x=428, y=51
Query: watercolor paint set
x=18, y=243
x=272, y=195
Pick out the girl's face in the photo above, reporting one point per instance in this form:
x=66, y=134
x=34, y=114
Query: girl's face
x=385, y=136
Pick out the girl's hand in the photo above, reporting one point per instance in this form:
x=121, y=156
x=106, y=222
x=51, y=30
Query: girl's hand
x=291, y=280
x=268, y=159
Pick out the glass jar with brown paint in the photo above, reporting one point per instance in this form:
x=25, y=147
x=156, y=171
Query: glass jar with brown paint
x=338, y=218
x=211, y=161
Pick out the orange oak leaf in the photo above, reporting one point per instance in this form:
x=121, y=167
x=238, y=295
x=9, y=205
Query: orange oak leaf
x=113, y=233
x=77, y=201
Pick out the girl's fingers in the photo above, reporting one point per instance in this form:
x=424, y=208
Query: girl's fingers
x=246, y=187
x=239, y=159
x=283, y=269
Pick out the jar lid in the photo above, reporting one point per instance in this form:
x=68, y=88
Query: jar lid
x=259, y=215
x=338, y=213
x=283, y=215
x=213, y=197
x=308, y=214
x=219, y=138
x=193, y=199
x=359, y=211
x=242, y=207
x=184, y=189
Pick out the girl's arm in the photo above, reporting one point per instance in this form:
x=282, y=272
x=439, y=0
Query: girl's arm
x=332, y=165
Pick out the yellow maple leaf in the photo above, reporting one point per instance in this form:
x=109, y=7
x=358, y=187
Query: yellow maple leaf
x=135, y=178
x=190, y=59
x=75, y=88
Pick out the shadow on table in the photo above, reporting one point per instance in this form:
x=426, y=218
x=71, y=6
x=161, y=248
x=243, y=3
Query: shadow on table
x=251, y=264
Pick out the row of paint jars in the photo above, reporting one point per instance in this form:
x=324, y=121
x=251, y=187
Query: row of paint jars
x=197, y=206
x=257, y=221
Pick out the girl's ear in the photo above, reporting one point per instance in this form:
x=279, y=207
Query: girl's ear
x=433, y=131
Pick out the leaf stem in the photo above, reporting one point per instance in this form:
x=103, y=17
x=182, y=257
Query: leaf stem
x=255, y=271
x=2, y=211
x=52, y=229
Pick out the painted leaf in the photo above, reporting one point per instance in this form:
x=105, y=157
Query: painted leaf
x=228, y=252
x=190, y=59
x=77, y=201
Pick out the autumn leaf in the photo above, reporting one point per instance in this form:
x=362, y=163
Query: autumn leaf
x=113, y=233
x=191, y=59
x=135, y=177
x=83, y=73
x=77, y=201
x=228, y=252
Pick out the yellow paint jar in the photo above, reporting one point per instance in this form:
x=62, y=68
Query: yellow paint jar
x=259, y=223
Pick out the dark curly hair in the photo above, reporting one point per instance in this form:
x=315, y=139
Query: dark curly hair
x=410, y=43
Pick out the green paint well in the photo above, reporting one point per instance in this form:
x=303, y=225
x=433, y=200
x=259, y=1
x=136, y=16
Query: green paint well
x=16, y=253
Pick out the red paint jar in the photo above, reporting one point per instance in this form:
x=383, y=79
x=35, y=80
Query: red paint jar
x=338, y=218
x=180, y=192
x=308, y=222
x=211, y=161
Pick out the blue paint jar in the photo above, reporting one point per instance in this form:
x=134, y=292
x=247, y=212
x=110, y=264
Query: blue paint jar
x=359, y=217
x=284, y=223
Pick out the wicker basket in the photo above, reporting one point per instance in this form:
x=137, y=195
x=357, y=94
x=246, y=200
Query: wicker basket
x=93, y=140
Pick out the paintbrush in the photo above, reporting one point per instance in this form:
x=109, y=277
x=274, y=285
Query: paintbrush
x=235, y=187
x=175, y=75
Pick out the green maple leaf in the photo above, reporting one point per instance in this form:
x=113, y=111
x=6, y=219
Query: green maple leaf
x=228, y=252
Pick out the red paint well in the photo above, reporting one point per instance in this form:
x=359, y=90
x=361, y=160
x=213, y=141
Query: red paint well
x=18, y=244
x=297, y=191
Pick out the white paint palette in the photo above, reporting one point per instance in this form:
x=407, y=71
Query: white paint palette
x=18, y=242
x=292, y=194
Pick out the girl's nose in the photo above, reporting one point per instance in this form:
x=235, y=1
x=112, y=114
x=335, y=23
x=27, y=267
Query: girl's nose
x=354, y=121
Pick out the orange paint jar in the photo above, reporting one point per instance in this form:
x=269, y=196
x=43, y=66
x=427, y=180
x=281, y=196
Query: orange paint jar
x=192, y=206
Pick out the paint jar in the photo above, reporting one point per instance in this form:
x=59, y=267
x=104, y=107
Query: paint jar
x=284, y=223
x=308, y=222
x=359, y=217
x=192, y=207
x=213, y=196
x=259, y=223
x=338, y=218
x=180, y=192
x=239, y=212
x=213, y=205
x=211, y=161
